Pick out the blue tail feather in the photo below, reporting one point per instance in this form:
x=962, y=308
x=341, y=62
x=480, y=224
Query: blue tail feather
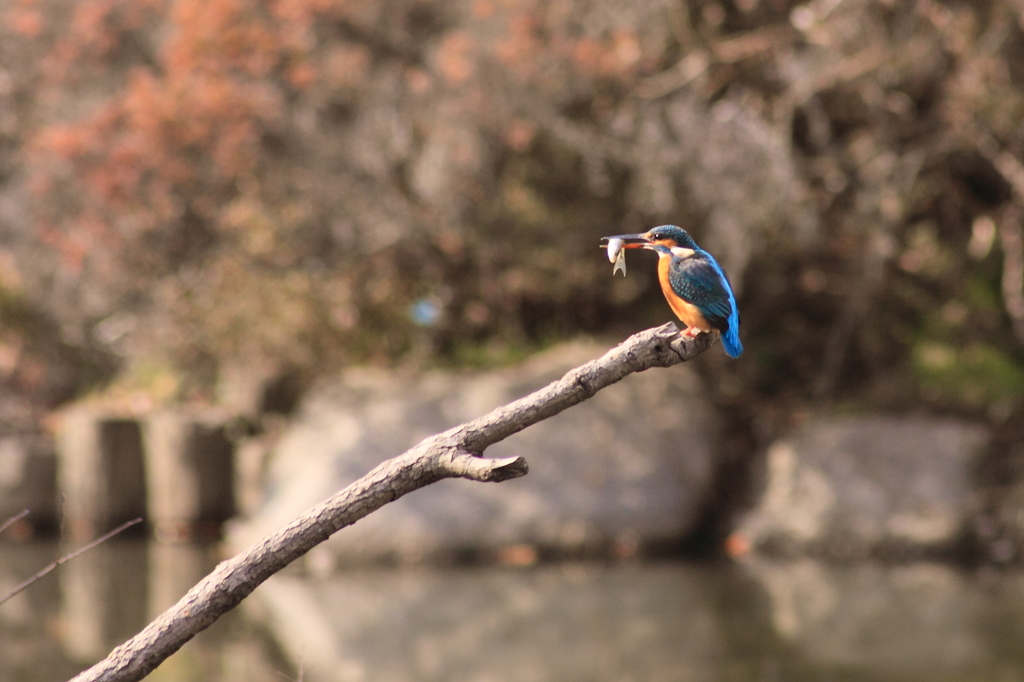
x=731, y=339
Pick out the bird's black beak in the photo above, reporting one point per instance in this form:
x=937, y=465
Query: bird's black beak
x=630, y=241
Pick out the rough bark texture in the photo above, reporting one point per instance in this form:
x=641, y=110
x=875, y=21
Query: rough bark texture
x=452, y=454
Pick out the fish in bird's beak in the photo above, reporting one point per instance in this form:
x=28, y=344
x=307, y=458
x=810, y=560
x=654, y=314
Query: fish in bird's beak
x=617, y=255
x=617, y=246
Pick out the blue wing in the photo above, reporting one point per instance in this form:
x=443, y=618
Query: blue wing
x=700, y=280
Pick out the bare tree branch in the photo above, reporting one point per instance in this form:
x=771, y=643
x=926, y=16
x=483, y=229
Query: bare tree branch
x=66, y=558
x=14, y=519
x=452, y=454
x=1012, y=243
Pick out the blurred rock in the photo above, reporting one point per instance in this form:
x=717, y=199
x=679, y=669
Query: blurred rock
x=628, y=467
x=867, y=486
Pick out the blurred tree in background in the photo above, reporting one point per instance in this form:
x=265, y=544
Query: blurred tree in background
x=301, y=184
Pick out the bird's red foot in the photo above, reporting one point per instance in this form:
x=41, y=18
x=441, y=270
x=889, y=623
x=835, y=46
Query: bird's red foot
x=690, y=331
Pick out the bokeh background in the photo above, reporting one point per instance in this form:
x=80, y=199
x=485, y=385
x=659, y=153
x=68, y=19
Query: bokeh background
x=218, y=203
x=310, y=184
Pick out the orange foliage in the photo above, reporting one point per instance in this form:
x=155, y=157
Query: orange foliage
x=455, y=57
x=519, y=135
x=220, y=37
x=189, y=126
x=27, y=22
x=520, y=49
x=91, y=24
x=301, y=75
x=619, y=59
x=71, y=247
x=483, y=9
x=206, y=99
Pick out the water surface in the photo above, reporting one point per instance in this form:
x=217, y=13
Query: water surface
x=627, y=621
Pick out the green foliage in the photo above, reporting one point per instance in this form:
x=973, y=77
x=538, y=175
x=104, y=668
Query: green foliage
x=981, y=294
x=974, y=376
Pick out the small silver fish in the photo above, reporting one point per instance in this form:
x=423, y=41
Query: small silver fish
x=617, y=255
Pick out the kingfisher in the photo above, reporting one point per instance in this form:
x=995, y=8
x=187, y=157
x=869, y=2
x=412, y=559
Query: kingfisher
x=693, y=282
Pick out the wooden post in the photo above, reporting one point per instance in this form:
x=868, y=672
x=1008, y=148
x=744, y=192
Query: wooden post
x=99, y=472
x=189, y=469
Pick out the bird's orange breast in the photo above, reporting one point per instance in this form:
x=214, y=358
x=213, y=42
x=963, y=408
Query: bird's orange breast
x=687, y=312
